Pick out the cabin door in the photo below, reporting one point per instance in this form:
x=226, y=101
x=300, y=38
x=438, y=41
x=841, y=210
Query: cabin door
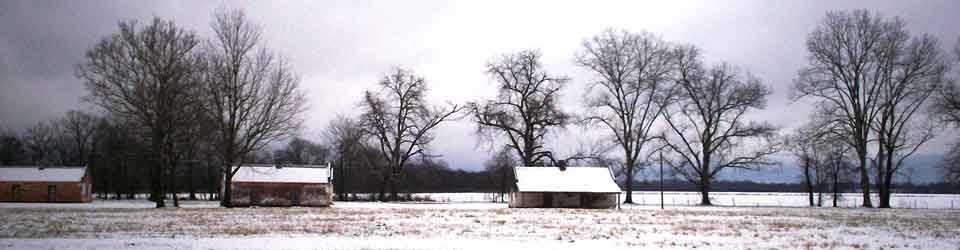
x=51, y=193
x=295, y=197
x=16, y=193
x=547, y=200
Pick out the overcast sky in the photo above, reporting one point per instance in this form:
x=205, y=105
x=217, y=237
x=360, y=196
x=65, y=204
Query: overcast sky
x=341, y=48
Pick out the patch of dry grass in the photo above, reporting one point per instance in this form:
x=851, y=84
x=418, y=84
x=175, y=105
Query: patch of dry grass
x=775, y=228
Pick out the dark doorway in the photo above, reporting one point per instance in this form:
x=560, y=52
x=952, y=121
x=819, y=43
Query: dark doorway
x=16, y=193
x=295, y=197
x=547, y=200
x=51, y=193
x=255, y=195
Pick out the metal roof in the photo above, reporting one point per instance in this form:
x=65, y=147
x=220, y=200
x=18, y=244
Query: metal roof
x=573, y=179
x=44, y=174
x=285, y=174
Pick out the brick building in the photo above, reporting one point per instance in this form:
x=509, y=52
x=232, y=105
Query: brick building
x=45, y=184
x=573, y=187
x=269, y=185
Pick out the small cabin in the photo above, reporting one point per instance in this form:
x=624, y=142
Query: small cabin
x=571, y=187
x=54, y=184
x=282, y=186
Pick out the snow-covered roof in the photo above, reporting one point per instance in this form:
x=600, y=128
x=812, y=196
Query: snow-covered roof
x=45, y=174
x=573, y=179
x=284, y=174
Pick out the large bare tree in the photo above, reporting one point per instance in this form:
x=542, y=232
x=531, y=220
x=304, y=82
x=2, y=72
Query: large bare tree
x=878, y=77
x=630, y=92
x=710, y=132
x=947, y=105
x=843, y=71
x=252, y=96
x=526, y=108
x=147, y=76
x=913, y=69
x=399, y=120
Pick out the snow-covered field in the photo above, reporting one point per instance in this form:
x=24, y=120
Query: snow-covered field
x=925, y=201
x=742, y=199
x=752, y=199
x=108, y=224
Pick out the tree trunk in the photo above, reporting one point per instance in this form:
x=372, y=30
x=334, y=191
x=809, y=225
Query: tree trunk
x=393, y=187
x=191, y=185
x=864, y=177
x=503, y=183
x=886, y=193
x=807, y=184
x=705, y=196
x=705, y=192
x=819, y=181
x=226, y=198
x=836, y=185
x=343, y=179
x=156, y=184
x=173, y=186
x=629, y=198
x=885, y=178
x=383, y=188
x=120, y=182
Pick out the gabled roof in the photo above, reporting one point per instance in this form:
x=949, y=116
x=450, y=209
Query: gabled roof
x=45, y=174
x=285, y=174
x=573, y=179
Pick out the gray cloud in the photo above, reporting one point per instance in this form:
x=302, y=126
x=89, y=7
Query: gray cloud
x=342, y=48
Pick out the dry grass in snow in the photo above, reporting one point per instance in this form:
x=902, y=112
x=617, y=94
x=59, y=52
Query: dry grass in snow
x=450, y=226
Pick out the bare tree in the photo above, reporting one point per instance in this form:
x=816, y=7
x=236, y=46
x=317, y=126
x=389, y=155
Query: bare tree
x=633, y=72
x=302, y=151
x=41, y=143
x=808, y=145
x=79, y=127
x=947, y=105
x=710, y=131
x=252, y=96
x=500, y=170
x=844, y=71
x=912, y=70
x=346, y=138
x=525, y=109
x=827, y=132
x=11, y=148
x=951, y=165
x=839, y=167
x=399, y=120
x=147, y=75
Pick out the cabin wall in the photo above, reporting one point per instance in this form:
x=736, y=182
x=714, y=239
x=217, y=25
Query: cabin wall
x=61, y=192
x=597, y=200
x=526, y=199
x=562, y=200
x=281, y=194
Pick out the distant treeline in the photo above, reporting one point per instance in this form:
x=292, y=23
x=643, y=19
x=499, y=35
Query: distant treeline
x=750, y=186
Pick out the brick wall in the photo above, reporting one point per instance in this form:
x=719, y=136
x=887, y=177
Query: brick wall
x=64, y=192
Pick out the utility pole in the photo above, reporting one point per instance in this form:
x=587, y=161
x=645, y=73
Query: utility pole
x=661, y=180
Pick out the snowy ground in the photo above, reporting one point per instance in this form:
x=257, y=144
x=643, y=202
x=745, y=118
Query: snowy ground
x=469, y=225
x=752, y=199
x=900, y=200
